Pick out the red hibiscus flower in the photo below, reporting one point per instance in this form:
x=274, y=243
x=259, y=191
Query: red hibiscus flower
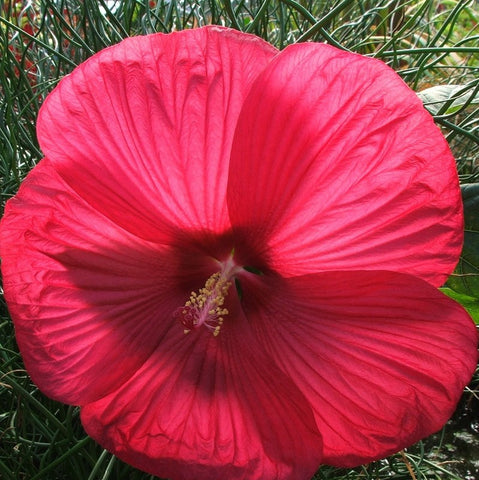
x=229, y=258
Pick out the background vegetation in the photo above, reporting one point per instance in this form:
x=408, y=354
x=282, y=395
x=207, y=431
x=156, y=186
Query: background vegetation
x=432, y=44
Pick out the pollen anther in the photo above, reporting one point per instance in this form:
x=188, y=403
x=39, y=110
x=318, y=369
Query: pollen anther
x=205, y=307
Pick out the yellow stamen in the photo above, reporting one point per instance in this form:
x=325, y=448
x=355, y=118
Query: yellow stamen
x=206, y=306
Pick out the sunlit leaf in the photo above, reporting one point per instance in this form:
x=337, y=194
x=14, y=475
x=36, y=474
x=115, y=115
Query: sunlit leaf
x=471, y=304
x=447, y=99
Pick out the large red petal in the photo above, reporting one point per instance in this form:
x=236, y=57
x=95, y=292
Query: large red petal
x=337, y=166
x=143, y=129
x=90, y=301
x=382, y=357
x=209, y=408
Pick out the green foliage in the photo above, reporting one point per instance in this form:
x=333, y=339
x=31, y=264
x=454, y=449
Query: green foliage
x=430, y=43
x=448, y=99
x=471, y=304
x=465, y=279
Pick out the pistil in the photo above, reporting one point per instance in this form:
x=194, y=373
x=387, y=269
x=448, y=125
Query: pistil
x=206, y=307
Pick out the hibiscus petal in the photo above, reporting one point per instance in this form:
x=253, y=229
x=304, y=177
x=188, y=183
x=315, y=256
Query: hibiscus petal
x=382, y=357
x=143, y=130
x=207, y=407
x=83, y=293
x=337, y=166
